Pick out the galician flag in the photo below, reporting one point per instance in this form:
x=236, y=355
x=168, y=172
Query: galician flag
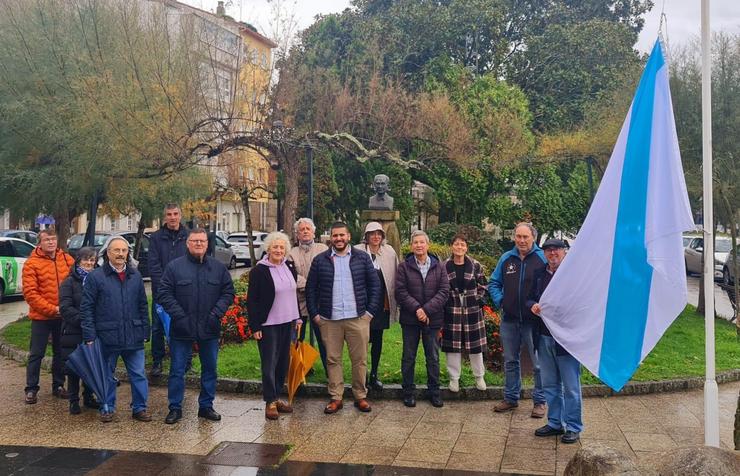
x=624, y=281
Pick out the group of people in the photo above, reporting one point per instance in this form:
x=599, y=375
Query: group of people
x=346, y=294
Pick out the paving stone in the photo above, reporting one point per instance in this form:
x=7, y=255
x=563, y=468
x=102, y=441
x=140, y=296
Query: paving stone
x=418, y=464
x=528, y=460
x=448, y=431
x=432, y=451
x=485, y=461
x=473, y=443
x=523, y=438
x=649, y=441
x=370, y=454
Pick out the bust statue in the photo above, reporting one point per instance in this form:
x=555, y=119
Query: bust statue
x=381, y=200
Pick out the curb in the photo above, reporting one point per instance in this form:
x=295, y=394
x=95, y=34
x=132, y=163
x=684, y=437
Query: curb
x=395, y=392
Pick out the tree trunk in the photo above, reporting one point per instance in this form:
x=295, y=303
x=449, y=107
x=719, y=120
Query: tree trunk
x=292, y=175
x=62, y=220
x=139, y=234
x=244, y=194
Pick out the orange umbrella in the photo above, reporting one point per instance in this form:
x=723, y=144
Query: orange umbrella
x=302, y=358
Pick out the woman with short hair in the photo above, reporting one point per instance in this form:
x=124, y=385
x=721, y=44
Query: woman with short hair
x=464, y=329
x=272, y=304
x=70, y=298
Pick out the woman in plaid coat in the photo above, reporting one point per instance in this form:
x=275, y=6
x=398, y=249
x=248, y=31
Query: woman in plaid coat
x=464, y=329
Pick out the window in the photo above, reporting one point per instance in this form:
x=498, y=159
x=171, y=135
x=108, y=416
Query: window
x=22, y=250
x=6, y=249
x=264, y=60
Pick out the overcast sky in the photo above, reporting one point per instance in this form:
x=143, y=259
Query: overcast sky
x=684, y=16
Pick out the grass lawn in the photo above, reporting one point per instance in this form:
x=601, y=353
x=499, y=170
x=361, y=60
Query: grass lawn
x=680, y=353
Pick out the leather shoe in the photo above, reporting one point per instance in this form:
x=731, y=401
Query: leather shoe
x=363, y=405
x=173, y=416
x=60, y=392
x=31, y=397
x=504, y=406
x=539, y=410
x=156, y=370
x=409, y=401
x=143, y=415
x=271, y=411
x=74, y=408
x=569, y=437
x=547, y=430
x=333, y=407
x=284, y=407
x=106, y=417
x=91, y=402
x=436, y=401
x=209, y=414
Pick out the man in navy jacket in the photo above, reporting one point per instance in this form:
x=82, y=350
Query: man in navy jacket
x=114, y=309
x=342, y=296
x=196, y=290
x=165, y=245
x=509, y=287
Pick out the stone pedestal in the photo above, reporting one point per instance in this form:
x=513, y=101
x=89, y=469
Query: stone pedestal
x=388, y=219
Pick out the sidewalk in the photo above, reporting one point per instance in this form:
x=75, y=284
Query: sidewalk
x=462, y=435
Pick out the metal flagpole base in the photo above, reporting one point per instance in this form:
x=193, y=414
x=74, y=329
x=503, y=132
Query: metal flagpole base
x=711, y=413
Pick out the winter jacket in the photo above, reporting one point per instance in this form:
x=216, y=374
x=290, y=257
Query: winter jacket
x=414, y=292
x=261, y=294
x=303, y=258
x=320, y=284
x=464, y=328
x=42, y=277
x=70, y=299
x=115, y=311
x=165, y=245
x=511, y=282
x=388, y=260
x=196, y=295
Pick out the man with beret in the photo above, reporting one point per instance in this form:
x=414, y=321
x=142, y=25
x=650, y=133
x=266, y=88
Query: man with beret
x=560, y=372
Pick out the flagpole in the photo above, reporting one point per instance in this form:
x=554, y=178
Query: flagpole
x=711, y=392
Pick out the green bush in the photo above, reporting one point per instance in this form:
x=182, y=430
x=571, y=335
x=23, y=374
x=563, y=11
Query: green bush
x=479, y=242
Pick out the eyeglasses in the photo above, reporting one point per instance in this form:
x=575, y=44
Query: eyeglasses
x=198, y=242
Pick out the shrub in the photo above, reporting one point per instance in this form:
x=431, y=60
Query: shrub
x=480, y=242
x=235, y=322
x=495, y=354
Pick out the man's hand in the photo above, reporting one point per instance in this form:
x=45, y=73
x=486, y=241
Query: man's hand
x=257, y=335
x=536, y=309
x=422, y=316
x=316, y=319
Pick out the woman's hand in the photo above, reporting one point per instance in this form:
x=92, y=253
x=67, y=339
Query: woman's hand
x=257, y=335
x=298, y=324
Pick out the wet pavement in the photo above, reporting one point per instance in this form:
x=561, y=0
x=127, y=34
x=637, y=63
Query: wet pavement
x=461, y=436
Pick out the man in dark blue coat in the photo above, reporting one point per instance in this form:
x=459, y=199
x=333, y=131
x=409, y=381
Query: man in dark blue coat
x=196, y=290
x=509, y=287
x=342, y=296
x=114, y=309
x=165, y=245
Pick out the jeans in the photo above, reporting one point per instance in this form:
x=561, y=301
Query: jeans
x=73, y=388
x=180, y=354
x=411, y=337
x=274, y=350
x=158, y=349
x=561, y=382
x=40, y=330
x=134, y=361
x=515, y=334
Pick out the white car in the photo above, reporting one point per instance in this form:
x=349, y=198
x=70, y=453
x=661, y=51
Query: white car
x=13, y=254
x=694, y=251
x=240, y=244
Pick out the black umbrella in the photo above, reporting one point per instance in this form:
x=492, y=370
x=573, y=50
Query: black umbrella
x=88, y=363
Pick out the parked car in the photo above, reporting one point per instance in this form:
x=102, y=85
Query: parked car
x=26, y=235
x=240, y=242
x=224, y=235
x=728, y=270
x=75, y=243
x=695, y=250
x=225, y=253
x=13, y=254
x=688, y=237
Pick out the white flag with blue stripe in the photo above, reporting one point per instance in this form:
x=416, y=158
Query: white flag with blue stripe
x=624, y=281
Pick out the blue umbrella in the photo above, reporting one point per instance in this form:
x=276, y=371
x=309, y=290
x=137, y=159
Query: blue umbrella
x=88, y=362
x=165, y=318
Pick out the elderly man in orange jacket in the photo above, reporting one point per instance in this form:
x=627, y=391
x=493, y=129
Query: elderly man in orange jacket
x=43, y=272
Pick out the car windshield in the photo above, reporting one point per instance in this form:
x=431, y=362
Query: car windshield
x=723, y=246
x=76, y=241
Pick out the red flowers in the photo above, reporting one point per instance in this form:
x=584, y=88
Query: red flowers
x=235, y=322
x=495, y=350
